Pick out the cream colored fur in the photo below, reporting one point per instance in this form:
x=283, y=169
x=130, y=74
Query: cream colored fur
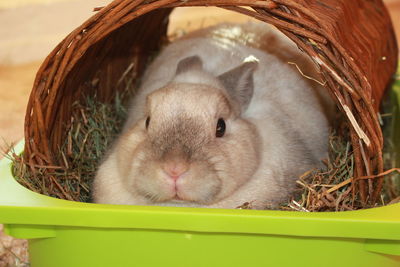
x=282, y=133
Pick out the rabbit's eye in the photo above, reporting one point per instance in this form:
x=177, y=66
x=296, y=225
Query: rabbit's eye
x=147, y=122
x=220, y=128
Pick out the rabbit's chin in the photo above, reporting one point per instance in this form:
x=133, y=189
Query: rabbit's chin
x=190, y=188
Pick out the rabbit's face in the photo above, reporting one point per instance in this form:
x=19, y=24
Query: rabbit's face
x=194, y=148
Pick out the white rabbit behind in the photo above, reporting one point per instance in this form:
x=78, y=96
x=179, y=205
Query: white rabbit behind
x=276, y=124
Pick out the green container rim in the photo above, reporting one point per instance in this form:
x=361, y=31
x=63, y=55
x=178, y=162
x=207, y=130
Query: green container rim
x=21, y=207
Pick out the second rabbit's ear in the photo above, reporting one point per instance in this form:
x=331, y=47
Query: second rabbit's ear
x=188, y=64
x=239, y=83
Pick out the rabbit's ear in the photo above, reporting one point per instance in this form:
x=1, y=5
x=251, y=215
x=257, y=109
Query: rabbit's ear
x=189, y=64
x=239, y=83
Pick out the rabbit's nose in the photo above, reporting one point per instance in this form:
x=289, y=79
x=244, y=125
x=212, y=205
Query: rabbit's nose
x=175, y=169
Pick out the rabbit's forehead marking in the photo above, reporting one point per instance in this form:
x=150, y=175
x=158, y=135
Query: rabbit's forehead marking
x=184, y=135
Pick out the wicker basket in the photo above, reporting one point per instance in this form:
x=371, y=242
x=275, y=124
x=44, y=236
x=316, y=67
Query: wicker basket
x=351, y=42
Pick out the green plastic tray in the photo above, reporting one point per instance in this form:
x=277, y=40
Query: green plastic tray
x=64, y=233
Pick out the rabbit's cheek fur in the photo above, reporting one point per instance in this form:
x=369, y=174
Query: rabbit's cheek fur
x=143, y=175
x=199, y=184
x=152, y=183
x=236, y=156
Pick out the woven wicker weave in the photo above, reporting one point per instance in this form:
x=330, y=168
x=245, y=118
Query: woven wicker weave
x=351, y=42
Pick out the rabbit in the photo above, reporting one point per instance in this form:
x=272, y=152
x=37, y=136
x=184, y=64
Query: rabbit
x=218, y=122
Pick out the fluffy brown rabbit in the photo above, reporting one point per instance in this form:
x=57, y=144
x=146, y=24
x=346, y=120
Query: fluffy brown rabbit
x=216, y=123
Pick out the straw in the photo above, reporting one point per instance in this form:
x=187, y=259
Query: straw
x=330, y=189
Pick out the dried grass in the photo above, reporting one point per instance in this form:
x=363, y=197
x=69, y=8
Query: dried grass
x=322, y=190
x=331, y=189
x=92, y=129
